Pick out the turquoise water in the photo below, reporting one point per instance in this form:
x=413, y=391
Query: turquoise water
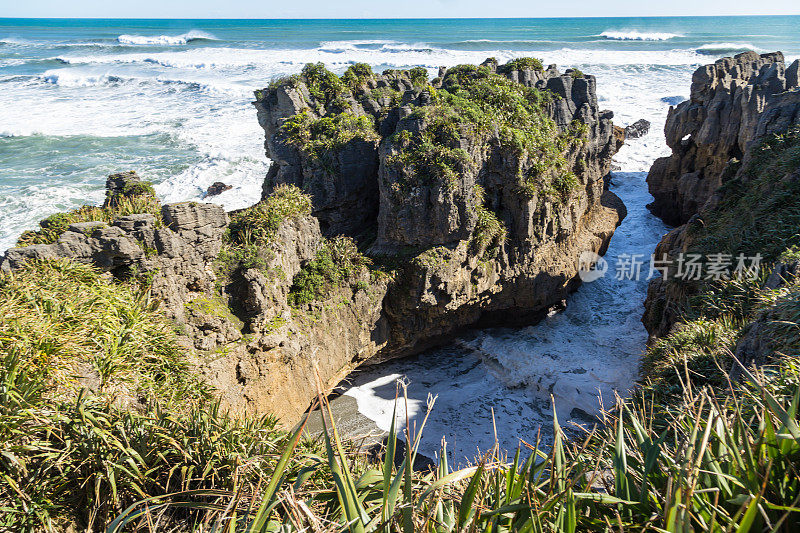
x=170, y=98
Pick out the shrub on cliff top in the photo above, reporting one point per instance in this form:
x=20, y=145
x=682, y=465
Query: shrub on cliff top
x=521, y=63
x=476, y=104
x=355, y=75
x=323, y=84
x=51, y=228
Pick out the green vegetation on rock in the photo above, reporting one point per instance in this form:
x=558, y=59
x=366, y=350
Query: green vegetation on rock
x=337, y=262
x=258, y=224
x=321, y=138
x=488, y=229
x=521, y=63
x=52, y=227
x=475, y=104
x=355, y=75
x=99, y=407
x=759, y=212
x=64, y=320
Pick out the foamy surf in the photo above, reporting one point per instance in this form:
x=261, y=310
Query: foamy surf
x=635, y=35
x=716, y=49
x=166, y=40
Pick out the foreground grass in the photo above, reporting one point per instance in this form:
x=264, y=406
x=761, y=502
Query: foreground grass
x=714, y=459
x=715, y=464
x=99, y=408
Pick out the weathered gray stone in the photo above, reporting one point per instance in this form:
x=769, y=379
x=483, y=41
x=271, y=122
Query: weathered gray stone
x=716, y=124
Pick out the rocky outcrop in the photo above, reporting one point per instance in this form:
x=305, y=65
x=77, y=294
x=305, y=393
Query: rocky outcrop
x=714, y=126
x=217, y=188
x=735, y=107
x=638, y=129
x=450, y=280
x=492, y=237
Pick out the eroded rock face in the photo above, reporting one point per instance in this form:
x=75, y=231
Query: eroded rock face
x=766, y=113
x=264, y=355
x=451, y=282
x=714, y=126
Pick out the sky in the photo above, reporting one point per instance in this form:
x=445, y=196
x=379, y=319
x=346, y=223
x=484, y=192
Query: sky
x=387, y=9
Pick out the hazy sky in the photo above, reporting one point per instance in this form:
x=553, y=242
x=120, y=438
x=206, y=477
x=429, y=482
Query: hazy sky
x=386, y=9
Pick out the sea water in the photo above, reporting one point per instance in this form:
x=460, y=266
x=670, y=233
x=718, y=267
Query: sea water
x=171, y=99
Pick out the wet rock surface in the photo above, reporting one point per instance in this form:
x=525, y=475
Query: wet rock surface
x=217, y=188
x=638, y=129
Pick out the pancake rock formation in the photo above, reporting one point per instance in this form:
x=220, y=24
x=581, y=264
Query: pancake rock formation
x=398, y=210
x=715, y=125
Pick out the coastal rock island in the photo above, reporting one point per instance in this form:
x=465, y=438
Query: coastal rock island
x=398, y=211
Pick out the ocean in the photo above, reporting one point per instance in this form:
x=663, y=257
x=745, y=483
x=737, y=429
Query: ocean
x=82, y=98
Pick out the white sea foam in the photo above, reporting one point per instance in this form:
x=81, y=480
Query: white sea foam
x=636, y=35
x=725, y=48
x=166, y=40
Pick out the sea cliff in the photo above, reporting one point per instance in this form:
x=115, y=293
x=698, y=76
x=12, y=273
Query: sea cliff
x=398, y=211
x=740, y=208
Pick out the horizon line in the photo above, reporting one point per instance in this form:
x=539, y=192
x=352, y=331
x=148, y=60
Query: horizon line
x=408, y=18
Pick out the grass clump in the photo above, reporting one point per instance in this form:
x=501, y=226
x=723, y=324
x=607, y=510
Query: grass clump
x=759, y=211
x=64, y=320
x=337, y=262
x=715, y=464
x=99, y=408
x=489, y=230
x=259, y=223
x=254, y=228
x=577, y=74
x=52, y=227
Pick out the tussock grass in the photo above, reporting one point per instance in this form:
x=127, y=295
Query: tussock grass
x=718, y=463
x=52, y=227
x=259, y=223
x=252, y=229
x=66, y=321
x=76, y=452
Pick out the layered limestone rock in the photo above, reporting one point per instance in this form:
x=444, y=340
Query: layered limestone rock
x=715, y=125
x=742, y=186
x=462, y=219
x=445, y=222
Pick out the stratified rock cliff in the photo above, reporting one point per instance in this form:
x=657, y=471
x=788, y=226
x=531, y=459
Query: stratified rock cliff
x=751, y=208
x=486, y=182
x=397, y=212
x=714, y=126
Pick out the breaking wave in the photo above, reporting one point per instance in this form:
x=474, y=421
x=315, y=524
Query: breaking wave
x=713, y=49
x=635, y=35
x=166, y=40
